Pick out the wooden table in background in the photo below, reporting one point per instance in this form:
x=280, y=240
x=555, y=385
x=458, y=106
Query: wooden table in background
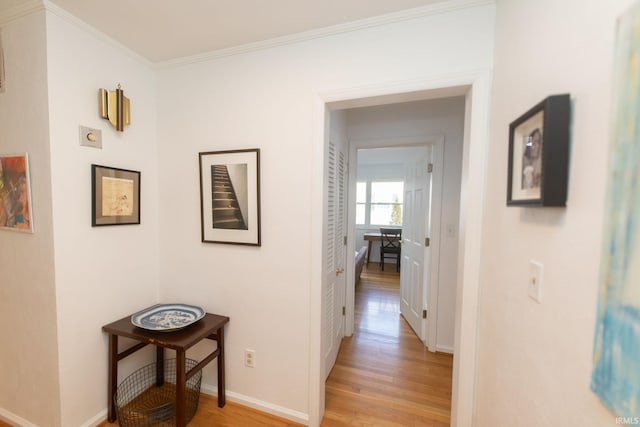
x=371, y=237
x=211, y=326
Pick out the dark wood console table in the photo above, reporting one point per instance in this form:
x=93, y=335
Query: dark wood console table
x=211, y=326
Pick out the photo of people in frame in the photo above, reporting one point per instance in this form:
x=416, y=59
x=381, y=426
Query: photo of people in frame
x=531, y=159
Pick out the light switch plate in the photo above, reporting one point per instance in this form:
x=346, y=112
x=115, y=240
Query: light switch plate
x=535, y=280
x=90, y=137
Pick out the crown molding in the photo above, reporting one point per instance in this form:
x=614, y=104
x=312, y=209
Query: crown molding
x=448, y=6
x=33, y=6
x=79, y=23
x=391, y=18
x=27, y=8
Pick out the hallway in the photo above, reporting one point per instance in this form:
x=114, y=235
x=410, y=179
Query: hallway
x=384, y=376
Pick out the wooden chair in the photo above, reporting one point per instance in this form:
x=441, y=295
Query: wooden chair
x=390, y=245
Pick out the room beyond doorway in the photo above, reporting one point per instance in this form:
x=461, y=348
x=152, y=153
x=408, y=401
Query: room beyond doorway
x=394, y=126
x=393, y=192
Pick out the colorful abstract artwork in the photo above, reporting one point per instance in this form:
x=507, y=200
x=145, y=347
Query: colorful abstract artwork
x=616, y=370
x=15, y=193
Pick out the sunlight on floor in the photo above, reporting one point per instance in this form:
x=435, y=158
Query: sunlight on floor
x=381, y=317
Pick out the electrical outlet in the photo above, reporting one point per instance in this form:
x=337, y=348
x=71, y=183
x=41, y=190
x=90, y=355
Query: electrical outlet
x=250, y=358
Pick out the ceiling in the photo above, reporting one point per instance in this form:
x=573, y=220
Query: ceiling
x=162, y=30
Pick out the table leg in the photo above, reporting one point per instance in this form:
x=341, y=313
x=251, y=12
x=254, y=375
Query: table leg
x=369, y=253
x=113, y=376
x=181, y=388
x=221, y=386
x=159, y=366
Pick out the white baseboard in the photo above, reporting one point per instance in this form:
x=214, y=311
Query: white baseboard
x=444, y=349
x=97, y=419
x=14, y=420
x=260, y=405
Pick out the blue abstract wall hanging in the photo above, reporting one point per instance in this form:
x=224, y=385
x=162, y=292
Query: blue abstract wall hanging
x=616, y=370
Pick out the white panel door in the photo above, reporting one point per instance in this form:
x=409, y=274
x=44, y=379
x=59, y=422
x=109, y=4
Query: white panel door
x=414, y=264
x=334, y=278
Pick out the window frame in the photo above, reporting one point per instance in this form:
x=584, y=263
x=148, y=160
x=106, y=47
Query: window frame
x=368, y=204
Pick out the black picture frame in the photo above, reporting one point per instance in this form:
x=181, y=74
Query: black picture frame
x=230, y=196
x=539, y=155
x=115, y=196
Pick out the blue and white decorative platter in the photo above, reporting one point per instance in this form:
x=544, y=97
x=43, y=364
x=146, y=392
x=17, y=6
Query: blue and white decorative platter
x=167, y=317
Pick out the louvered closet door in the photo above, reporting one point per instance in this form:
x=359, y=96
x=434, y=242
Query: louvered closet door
x=334, y=280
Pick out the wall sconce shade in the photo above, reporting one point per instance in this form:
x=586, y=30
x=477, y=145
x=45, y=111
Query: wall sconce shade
x=115, y=107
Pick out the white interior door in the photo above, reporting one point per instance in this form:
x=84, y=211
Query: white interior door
x=414, y=265
x=334, y=278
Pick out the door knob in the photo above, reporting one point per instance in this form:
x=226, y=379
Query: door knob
x=339, y=271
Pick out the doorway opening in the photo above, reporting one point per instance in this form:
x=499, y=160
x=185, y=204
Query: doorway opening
x=394, y=192
x=475, y=89
x=395, y=157
x=417, y=145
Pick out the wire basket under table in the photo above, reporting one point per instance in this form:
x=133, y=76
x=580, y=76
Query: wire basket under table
x=141, y=402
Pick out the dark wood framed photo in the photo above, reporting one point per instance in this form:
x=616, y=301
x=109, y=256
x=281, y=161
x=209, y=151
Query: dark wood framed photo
x=539, y=154
x=115, y=196
x=230, y=196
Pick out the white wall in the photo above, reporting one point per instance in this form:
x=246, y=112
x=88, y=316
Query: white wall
x=28, y=360
x=426, y=119
x=102, y=273
x=536, y=359
x=266, y=99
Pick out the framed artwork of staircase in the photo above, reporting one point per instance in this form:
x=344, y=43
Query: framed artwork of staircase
x=230, y=196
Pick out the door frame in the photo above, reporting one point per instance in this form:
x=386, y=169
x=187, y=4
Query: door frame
x=430, y=292
x=476, y=86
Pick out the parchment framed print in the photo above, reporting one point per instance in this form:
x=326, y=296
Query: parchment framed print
x=115, y=196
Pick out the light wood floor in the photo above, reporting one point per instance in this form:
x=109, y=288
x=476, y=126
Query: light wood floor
x=384, y=376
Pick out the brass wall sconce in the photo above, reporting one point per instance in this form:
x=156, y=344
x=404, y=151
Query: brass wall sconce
x=115, y=107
